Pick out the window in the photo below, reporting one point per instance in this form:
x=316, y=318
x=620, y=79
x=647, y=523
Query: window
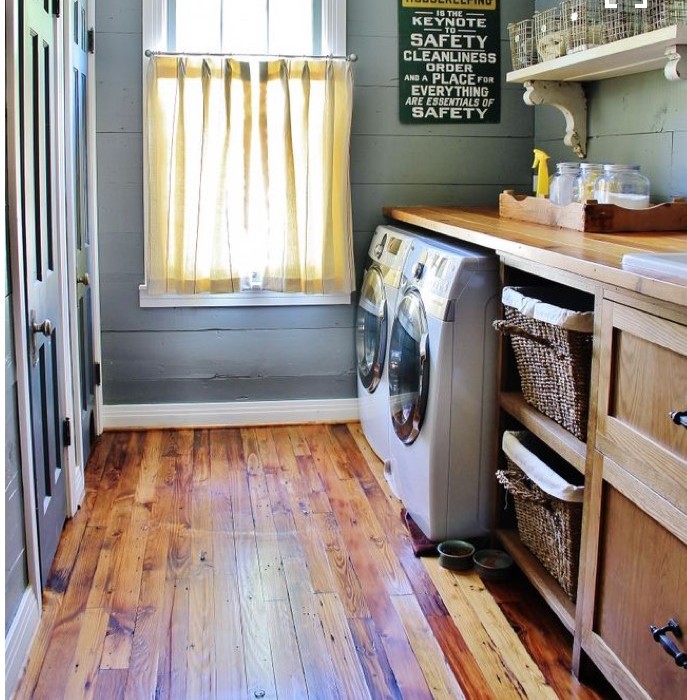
x=246, y=153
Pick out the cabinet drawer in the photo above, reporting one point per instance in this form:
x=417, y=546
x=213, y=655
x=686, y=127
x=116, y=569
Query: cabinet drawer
x=642, y=579
x=643, y=377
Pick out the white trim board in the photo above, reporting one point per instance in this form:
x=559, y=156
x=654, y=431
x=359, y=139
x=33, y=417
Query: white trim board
x=238, y=413
x=19, y=639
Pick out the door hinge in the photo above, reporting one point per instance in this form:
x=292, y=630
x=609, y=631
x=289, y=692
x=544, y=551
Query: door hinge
x=66, y=432
x=98, y=374
x=56, y=7
x=91, y=40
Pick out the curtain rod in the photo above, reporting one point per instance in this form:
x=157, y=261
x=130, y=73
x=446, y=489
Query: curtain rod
x=350, y=57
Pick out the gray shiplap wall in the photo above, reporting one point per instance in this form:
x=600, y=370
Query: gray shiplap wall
x=633, y=119
x=170, y=355
x=16, y=577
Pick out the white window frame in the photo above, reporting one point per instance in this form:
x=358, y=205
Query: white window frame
x=154, y=39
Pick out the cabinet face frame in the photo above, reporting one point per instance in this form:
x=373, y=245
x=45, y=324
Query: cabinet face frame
x=667, y=327
x=654, y=464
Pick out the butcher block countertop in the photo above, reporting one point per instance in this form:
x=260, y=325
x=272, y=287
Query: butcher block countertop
x=596, y=256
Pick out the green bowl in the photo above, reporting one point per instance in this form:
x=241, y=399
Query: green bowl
x=493, y=564
x=455, y=554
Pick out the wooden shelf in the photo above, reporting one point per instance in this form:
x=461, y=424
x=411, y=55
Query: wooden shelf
x=636, y=54
x=547, y=586
x=571, y=449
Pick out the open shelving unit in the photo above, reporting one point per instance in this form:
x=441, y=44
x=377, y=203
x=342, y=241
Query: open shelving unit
x=635, y=54
x=558, y=82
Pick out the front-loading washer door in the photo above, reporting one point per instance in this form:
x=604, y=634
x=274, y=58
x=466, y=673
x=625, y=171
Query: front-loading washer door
x=371, y=329
x=409, y=367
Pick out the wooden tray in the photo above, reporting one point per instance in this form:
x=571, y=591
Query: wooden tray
x=593, y=217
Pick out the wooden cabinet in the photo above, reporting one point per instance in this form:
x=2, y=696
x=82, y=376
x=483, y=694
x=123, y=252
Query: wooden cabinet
x=637, y=531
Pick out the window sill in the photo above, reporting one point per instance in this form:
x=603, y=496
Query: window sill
x=258, y=298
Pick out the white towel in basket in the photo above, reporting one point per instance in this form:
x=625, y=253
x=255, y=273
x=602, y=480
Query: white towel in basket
x=517, y=298
x=536, y=470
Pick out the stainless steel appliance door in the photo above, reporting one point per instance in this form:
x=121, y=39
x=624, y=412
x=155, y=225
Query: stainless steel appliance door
x=409, y=367
x=371, y=329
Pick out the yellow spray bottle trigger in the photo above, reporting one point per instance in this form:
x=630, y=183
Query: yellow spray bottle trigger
x=540, y=162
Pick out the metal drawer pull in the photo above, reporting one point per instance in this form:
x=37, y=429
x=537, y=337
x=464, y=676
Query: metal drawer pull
x=679, y=418
x=84, y=279
x=660, y=635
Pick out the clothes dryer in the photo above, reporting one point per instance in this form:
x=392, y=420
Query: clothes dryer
x=386, y=258
x=442, y=388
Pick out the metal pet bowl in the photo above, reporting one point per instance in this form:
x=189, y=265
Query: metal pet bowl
x=455, y=554
x=493, y=564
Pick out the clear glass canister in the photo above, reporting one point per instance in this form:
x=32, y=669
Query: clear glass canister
x=623, y=185
x=585, y=181
x=562, y=183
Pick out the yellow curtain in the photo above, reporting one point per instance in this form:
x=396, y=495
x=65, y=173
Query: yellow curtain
x=248, y=175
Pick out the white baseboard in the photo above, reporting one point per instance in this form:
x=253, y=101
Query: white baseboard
x=19, y=639
x=209, y=415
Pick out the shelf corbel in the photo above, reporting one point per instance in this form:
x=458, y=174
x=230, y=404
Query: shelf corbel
x=570, y=100
x=672, y=70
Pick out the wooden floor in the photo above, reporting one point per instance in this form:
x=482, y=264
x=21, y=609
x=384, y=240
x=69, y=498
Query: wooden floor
x=272, y=562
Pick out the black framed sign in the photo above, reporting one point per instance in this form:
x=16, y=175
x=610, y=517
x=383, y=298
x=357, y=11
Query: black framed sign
x=449, y=61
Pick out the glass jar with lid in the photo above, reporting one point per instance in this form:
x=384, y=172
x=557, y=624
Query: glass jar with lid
x=623, y=185
x=561, y=188
x=583, y=188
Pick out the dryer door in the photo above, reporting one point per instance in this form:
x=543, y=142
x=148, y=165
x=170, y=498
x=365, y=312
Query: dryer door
x=409, y=367
x=371, y=329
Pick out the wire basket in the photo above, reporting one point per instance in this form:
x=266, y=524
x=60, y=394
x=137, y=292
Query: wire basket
x=554, y=361
x=582, y=23
x=665, y=13
x=521, y=35
x=549, y=37
x=548, y=526
x=623, y=21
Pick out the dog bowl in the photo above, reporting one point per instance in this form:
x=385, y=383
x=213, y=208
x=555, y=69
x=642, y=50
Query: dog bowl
x=493, y=564
x=455, y=554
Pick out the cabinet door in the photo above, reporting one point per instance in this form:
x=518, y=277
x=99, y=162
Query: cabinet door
x=642, y=581
x=643, y=378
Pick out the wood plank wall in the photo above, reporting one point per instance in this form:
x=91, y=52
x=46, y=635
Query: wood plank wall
x=634, y=119
x=166, y=355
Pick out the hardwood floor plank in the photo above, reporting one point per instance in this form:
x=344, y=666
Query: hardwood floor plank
x=65, y=631
x=201, y=649
x=126, y=585
x=319, y=676
x=465, y=667
x=342, y=653
x=89, y=650
x=112, y=685
x=179, y=639
x=272, y=562
x=440, y=679
x=230, y=671
x=504, y=677
x=289, y=677
x=346, y=582
x=373, y=661
x=149, y=631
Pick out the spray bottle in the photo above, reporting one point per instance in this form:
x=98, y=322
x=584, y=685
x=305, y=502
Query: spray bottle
x=541, y=179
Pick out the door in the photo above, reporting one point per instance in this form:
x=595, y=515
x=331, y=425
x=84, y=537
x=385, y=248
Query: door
x=409, y=367
x=43, y=289
x=78, y=225
x=371, y=330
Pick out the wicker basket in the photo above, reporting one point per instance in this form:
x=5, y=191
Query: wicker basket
x=549, y=526
x=553, y=359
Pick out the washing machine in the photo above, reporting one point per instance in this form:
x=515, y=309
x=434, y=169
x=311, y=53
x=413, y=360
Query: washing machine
x=442, y=388
x=386, y=257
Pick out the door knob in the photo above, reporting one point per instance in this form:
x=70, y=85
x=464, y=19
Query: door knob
x=45, y=327
x=84, y=279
